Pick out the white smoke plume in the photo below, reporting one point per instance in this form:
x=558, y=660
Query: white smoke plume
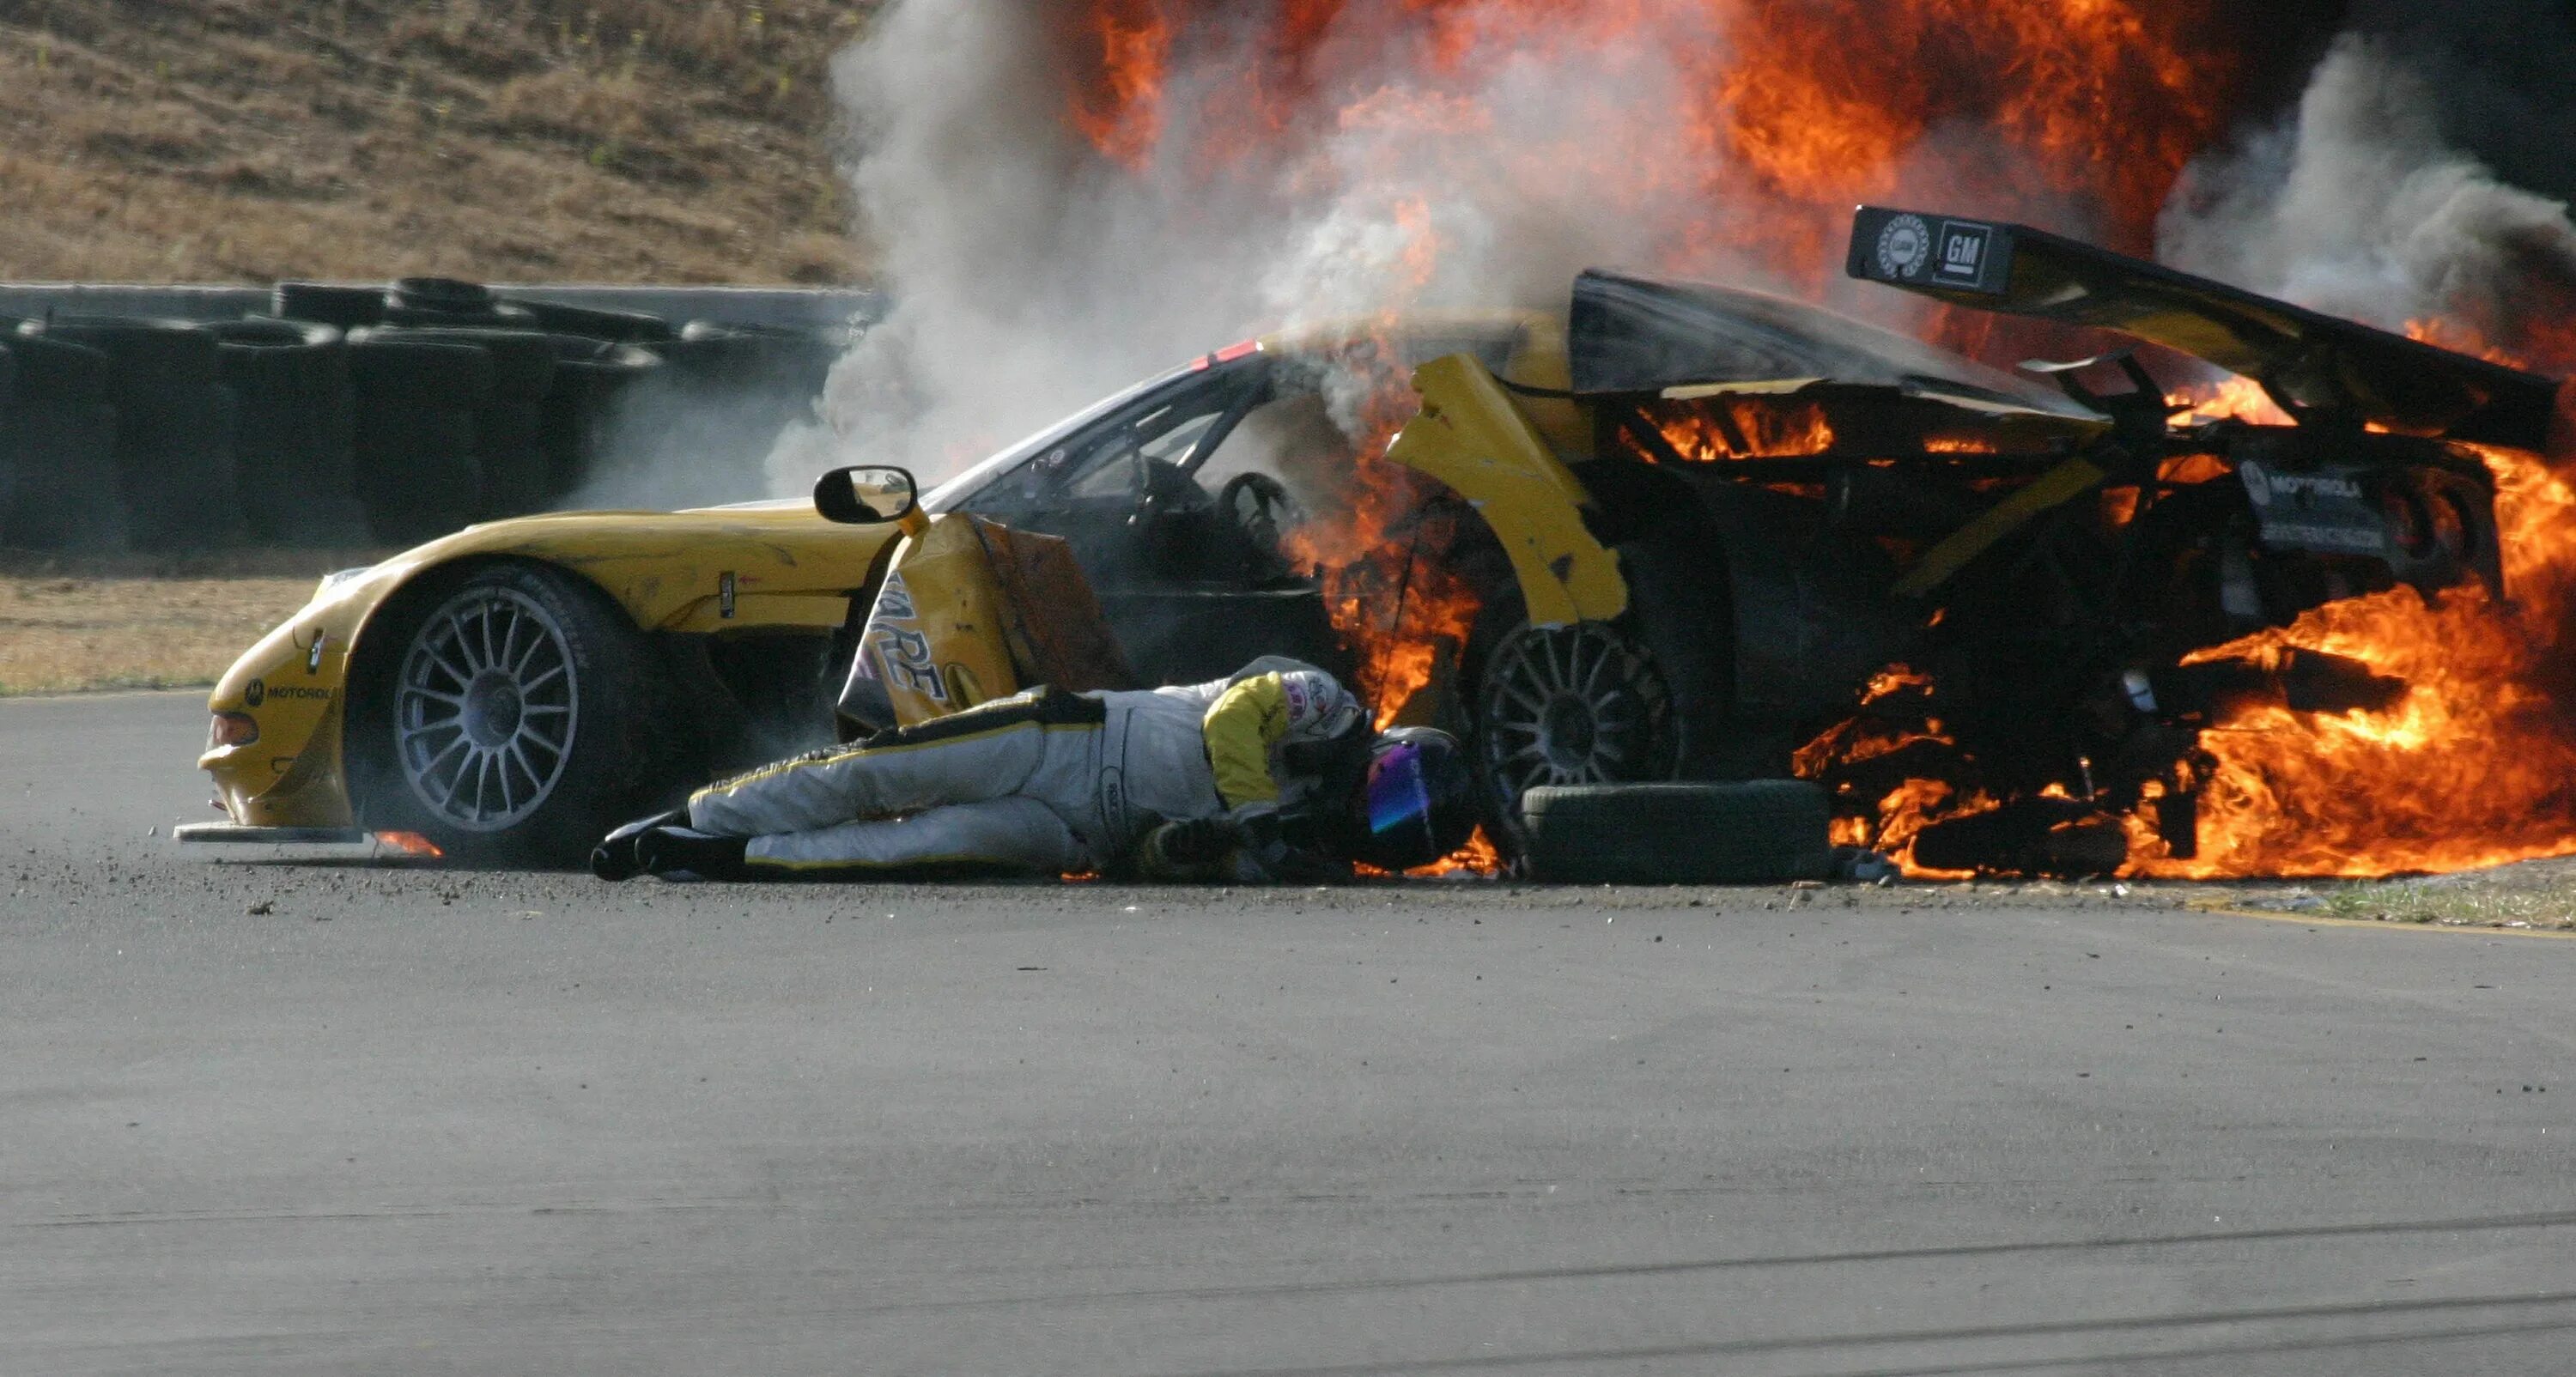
x=2357, y=206
x=1030, y=275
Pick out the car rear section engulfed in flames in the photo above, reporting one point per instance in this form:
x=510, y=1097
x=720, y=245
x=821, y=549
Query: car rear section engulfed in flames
x=2246, y=589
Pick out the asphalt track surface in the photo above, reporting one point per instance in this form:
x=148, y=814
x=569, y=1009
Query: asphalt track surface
x=259, y=1117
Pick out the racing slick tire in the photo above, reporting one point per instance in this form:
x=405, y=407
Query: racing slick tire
x=1760, y=831
x=512, y=715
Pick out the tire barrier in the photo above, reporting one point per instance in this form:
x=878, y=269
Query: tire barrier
x=294, y=448
x=591, y=322
x=60, y=434
x=418, y=476
x=593, y=379
x=359, y=415
x=508, y=428
x=344, y=308
x=8, y=451
x=446, y=301
x=174, y=427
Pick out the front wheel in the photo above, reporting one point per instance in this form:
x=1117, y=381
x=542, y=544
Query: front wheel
x=512, y=720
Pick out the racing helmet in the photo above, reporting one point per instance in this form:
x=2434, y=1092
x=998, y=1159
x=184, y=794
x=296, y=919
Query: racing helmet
x=1418, y=802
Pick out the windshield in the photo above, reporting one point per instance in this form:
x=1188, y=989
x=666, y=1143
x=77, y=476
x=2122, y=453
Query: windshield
x=949, y=495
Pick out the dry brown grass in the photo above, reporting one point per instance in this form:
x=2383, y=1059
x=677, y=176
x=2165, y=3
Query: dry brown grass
x=66, y=634
x=248, y=140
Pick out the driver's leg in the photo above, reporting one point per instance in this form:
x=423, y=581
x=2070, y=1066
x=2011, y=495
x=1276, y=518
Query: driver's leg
x=1009, y=833
x=987, y=753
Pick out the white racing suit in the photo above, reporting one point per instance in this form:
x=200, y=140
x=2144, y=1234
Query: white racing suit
x=1043, y=781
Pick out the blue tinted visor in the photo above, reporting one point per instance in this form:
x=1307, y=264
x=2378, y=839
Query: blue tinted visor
x=1397, y=795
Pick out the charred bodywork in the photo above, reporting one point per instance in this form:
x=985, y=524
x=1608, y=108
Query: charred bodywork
x=1861, y=559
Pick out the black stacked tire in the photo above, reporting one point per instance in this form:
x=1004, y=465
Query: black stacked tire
x=295, y=447
x=417, y=475
x=327, y=303
x=590, y=322
x=1761, y=831
x=509, y=430
x=445, y=301
x=593, y=379
x=174, y=428
x=783, y=366
x=59, y=433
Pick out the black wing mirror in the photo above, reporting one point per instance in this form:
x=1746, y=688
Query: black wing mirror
x=867, y=496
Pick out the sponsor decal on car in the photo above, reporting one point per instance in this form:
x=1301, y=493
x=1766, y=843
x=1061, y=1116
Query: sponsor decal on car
x=902, y=652
x=1904, y=246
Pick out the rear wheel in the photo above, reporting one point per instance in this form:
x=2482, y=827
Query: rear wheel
x=513, y=718
x=1580, y=704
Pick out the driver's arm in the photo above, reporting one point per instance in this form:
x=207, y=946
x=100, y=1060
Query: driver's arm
x=1251, y=717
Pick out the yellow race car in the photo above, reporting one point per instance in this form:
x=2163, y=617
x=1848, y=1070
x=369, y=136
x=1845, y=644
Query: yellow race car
x=507, y=693
x=1673, y=532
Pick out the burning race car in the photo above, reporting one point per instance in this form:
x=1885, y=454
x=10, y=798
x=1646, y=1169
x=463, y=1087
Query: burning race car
x=1682, y=532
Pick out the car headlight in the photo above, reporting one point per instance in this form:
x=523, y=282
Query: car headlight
x=231, y=729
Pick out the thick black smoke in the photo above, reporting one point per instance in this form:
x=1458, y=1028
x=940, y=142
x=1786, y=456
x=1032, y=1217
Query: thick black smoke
x=2420, y=179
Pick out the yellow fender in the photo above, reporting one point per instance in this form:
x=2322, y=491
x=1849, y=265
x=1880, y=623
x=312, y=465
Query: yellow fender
x=937, y=638
x=1473, y=437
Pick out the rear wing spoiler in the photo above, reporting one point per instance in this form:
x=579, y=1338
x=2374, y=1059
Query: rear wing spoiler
x=2314, y=365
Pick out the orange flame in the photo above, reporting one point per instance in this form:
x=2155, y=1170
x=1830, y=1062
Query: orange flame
x=1790, y=113
x=2476, y=763
x=2230, y=398
x=1749, y=428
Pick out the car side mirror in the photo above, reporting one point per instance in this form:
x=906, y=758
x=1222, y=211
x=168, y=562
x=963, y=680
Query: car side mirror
x=866, y=496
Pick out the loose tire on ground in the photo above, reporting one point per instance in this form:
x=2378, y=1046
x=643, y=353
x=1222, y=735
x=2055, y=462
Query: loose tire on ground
x=521, y=749
x=1762, y=831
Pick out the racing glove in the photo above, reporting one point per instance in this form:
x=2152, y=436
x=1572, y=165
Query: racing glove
x=1198, y=850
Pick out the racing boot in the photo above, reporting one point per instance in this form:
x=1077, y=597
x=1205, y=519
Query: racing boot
x=615, y=859
x=678, y=851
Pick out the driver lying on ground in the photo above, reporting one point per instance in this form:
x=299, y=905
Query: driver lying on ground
x=1271, y=774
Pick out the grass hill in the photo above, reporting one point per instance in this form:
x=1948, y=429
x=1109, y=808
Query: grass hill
x=505, y=140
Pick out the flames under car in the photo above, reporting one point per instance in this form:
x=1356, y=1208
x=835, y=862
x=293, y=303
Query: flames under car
x=1678, y=531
